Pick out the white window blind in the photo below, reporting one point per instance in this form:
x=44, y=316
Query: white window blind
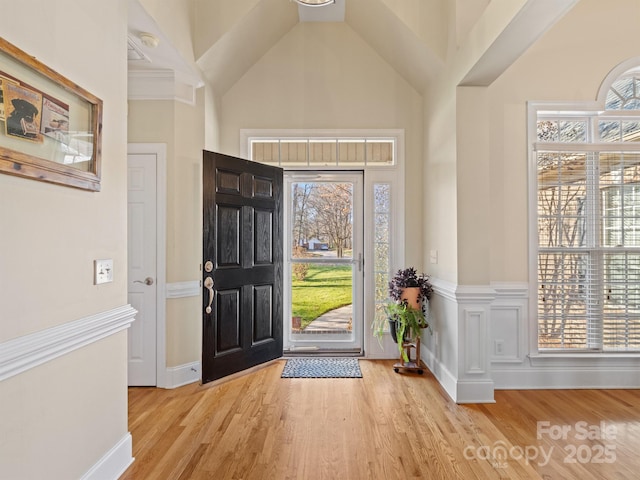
x=588, y=219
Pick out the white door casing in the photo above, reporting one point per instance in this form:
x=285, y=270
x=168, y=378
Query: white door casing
x=146, y=264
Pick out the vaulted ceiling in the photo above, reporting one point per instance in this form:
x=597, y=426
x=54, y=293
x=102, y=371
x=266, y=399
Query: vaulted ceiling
x=220, y=40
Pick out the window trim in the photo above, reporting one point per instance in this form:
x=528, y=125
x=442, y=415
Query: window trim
x=247, y=135
x=593, y=110
x=373, y=174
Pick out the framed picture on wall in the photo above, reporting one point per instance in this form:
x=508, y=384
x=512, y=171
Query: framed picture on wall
x=50, y=128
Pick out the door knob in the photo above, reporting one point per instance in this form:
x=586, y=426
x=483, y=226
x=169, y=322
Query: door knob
x=146, y=281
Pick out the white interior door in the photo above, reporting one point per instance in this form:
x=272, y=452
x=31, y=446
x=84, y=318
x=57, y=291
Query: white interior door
x=142, y=281
x=324, y=272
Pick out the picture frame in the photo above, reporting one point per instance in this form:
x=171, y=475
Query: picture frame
x=50, y=128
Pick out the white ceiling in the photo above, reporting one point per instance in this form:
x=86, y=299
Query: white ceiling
x=228, y=39
x=327, y=13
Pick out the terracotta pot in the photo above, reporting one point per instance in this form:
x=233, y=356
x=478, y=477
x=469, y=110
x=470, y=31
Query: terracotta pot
x=410, y=294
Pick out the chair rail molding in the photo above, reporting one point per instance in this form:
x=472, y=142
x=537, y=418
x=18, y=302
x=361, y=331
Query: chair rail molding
x=24, y=353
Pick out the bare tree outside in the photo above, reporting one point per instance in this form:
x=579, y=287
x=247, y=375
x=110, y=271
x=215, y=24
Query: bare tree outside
x=302, y=192
x=323, y=211
x=333, y=214
x=562, y=305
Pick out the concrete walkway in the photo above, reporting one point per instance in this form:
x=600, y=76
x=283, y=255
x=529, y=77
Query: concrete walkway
x=334, y=321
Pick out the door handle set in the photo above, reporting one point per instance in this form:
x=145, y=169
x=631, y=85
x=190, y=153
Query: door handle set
x=146, y=281
x=208, y=284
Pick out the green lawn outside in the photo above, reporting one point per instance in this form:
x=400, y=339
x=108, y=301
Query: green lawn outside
x=325, y=288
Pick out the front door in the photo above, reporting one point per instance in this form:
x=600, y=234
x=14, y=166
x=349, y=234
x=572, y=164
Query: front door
x=242, y=265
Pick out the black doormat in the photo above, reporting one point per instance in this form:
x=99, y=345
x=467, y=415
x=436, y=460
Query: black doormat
x=322, y=368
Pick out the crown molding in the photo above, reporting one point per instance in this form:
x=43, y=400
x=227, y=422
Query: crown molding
x=160, y=85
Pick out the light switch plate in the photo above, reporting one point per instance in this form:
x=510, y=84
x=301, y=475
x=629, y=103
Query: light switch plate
x=103, y=271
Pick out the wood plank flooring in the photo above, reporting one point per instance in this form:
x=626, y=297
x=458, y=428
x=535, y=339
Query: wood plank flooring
x=384, y=426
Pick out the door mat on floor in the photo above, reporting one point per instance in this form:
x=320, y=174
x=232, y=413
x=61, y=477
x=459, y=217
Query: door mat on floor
x=322, y=368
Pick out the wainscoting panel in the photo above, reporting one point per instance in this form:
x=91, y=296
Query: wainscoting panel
x=474, y=330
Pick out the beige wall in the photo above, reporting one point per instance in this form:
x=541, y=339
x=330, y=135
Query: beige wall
x=60, y=418
x=424, y=18
x=181, y=127
x=324, y=76
x=440, y=185
x=568, y=64
x=475, y=140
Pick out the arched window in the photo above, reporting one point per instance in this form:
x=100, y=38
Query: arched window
x=624, y=93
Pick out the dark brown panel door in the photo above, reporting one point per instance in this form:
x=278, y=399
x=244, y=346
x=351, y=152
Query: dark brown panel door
x=242, y=265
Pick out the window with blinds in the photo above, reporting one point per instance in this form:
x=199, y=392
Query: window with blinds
x=588, y=226
x=324, y=152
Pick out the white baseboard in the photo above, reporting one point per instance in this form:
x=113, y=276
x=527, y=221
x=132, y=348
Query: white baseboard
x=569, y=378
x=183, y=375
x=114, y=463
x=460, y=391
x=442, y=374
x=475, y=391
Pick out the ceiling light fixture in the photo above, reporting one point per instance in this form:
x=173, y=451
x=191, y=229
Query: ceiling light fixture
x=315, y=3
x=149, y=39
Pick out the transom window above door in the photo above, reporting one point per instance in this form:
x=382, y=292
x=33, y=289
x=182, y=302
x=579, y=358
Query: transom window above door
x=324, y=152
x=375, y=155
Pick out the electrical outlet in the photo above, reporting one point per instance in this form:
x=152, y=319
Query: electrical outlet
x=103, y=271
x=498, y=347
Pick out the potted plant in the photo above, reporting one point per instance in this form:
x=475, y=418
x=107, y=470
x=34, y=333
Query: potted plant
x=408, y=285
x=406, y=312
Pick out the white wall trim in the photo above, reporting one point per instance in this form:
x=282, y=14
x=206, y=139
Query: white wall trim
x=390, y=174
x=474, y=294
x=183, y=289
x=475, y=391
x=444, y=288
x=160, y=151
x=533, y=378
x=248, y=133
x=505, y=290
x=474, y=327
x=442, y=374
x=503, y=308
x=183, y=375
x=159, y=85
x=114, y=463
x=24, y=353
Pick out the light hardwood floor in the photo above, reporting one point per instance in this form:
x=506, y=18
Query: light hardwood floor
x=383, y=426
